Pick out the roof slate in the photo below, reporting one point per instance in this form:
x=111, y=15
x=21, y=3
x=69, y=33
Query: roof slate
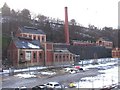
x=34, y=44
x=61, y=50
x=87, y=52
x=31, y=30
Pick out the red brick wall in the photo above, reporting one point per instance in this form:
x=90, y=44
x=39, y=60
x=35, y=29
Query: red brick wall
x=116, y=53
x=49, y=59
x=63, y=58
x=34, y=59
x=107, y=44
x=49, y=46
x=40, y=59
x=13, y=54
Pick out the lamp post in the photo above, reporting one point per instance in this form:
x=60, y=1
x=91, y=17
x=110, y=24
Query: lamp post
x=103, y=81
x=112, y=80
x=92, y=84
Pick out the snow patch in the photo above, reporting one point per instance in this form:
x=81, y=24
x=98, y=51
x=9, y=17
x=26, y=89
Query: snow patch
x=103, y=80
x=32, y=45
x=48, y=73
x=25, y=75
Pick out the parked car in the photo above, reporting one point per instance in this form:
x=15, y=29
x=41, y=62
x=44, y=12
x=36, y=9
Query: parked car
x=40, y=87
x=72, y=85
x=53, y=85
x=21, y=88
x=72, y=71
x=67, y=69
x=77, y=67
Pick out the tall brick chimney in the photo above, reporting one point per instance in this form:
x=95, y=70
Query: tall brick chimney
x=66, y=30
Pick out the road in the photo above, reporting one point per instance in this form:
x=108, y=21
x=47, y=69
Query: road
x=13, y=82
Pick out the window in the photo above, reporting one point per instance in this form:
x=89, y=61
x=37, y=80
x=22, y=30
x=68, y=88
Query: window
x=40, y=55
x=38, y=37
x=34, y=38
x=74, y=58
x=100, y=42
x=56, y=85
x=21, y=54
x=30, y=36
x=56, y=57
x=60, y=56
x=24, y=35
x=28, y=55
x=34, y=55
x=67, y=56
x=113, y=54
x=42, y=39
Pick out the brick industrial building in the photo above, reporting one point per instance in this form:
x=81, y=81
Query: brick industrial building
x=29, y=47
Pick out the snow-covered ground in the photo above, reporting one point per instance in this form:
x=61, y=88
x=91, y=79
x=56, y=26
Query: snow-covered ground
x=109, y=77
x=48, y=73
x=33, y=74
x=26, y=75
x=22, y=70
x=99, y=65
x=102, y=60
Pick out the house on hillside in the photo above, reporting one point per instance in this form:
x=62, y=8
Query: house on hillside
x=31, y=32
x=83, y=43
x=105, y=43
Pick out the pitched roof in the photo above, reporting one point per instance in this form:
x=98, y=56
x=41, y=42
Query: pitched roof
x=31, y=30
x=24, y=44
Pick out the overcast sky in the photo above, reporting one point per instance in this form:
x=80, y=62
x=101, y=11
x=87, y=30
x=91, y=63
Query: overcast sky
x=100, y=13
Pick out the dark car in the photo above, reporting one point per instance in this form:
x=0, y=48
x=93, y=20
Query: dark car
x=40, y=87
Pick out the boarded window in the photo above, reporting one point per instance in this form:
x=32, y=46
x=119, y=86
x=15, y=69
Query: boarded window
x=28, y=55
